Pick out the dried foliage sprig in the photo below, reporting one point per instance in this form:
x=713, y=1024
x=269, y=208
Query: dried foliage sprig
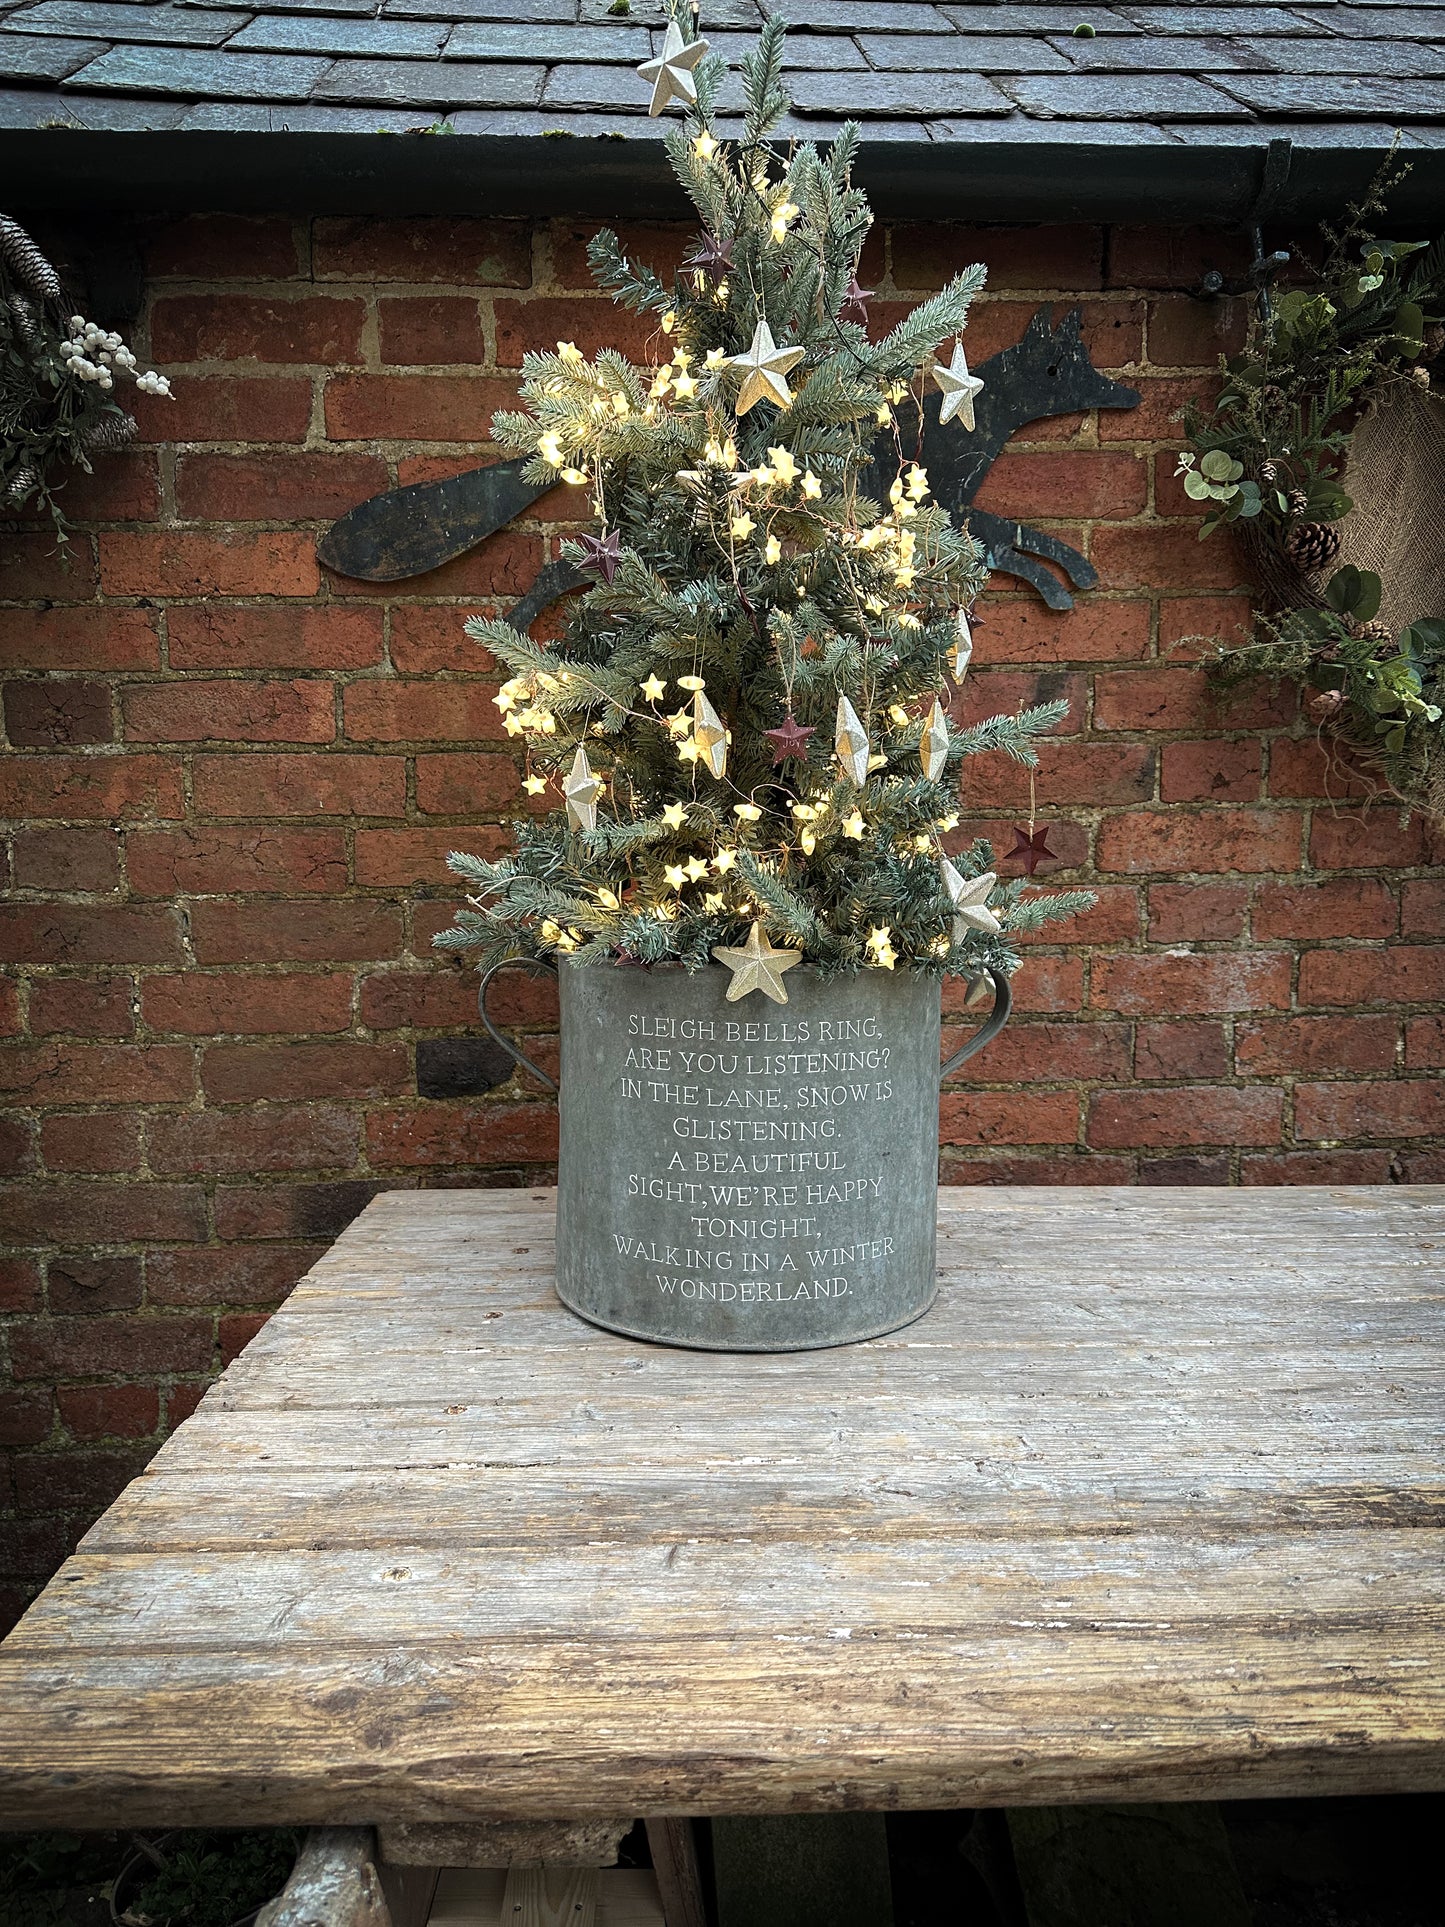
x=58, y=379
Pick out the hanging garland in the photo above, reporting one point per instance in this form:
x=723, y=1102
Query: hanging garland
x=58, y=376
x=1268, y=456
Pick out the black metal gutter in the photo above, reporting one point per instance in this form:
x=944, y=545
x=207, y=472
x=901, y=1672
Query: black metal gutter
x=1126, y=174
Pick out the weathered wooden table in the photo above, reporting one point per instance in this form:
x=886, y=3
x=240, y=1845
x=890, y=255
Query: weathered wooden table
x=1141, y=1510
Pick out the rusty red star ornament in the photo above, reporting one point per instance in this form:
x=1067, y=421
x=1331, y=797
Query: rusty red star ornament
x=712, y=257
x=789, y=740
x=601, y=554
x=855, y=301
x=1031, y=848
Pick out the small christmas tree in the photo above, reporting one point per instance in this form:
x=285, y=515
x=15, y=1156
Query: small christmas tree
x=746, y=719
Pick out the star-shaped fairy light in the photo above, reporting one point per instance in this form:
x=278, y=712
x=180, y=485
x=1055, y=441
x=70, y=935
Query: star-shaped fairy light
x=712, y=257
x=1031, y=848
x=757, y=966
x=855, y=301
x=789, y=740
x=581, y=789
x=969, y=897
x=601, y=553
x=670, y=73
x=764, y=367
x=710, y=735
x=959, y=388
x=933, y=745
x=850, y=743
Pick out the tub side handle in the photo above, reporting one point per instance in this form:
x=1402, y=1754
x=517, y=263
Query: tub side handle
x=985, y=1034
x=538, y=963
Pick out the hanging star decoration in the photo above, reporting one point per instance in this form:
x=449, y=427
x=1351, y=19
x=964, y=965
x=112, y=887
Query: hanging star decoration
x=855, y=301
x=670, y=73
x=959, y=388
x=1031, y=848
x=933, y=744
x=963, y=645
x=789, y=740
x=764, y=367
x=850, y=743
x=978, y=989
x=757, y=966
x=969, y=898
x=712, y=257
x=581, y=789
x=601, y=554
x=710, y=735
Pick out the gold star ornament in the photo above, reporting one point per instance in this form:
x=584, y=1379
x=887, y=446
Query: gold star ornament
x=850, y=743
x=710, y=735
x=757, y=966
x=764, y=367
x=933, y=746
x=670, y=73
x=959, y=388
x=581, y=789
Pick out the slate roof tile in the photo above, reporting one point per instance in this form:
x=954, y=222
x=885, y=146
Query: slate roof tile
x=1123, y=97
x=425, y=83
x=983, y=53
x=1210, y=20
x=172, y=26
x=30, y=57
x=1341, y=99
x=1365, y=23
x=1031, y=19
x=545, y=42
x=1403, y=60
x=854, y=16
x=826, y=52
x=914, y=96
x=545, y=12
x=202, y=73
x=272, y=33
x=1157, y=55
x=42, y=107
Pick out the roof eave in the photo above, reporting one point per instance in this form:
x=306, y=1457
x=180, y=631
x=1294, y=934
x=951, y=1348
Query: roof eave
x=1223, y=176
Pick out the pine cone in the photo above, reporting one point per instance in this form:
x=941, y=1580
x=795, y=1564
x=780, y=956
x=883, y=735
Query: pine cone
x=1312, y=545
x=17, y=248
x=1327, y=705
x=22, y=483
x=110, y=430
x=1377, y=632
x=1434, y=341
x=1269, y=473
x=1297, y=501
x=26, y=325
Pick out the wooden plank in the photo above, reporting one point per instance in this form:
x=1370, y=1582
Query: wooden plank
x=673, y=1847
x=626, y=1897
x=409, y=1893
x=550, y=1897
x=1142, y=1509
x=210, y=1602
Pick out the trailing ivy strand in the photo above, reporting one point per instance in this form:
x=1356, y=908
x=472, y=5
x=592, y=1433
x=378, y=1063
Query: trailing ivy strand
x=1268, y=455
x=58, y=382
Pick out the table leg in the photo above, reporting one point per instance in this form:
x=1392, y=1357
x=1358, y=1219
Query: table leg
x=674, y=1861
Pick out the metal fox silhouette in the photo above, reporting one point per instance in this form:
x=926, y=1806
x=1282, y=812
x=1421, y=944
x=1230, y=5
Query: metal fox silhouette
x=410, y=531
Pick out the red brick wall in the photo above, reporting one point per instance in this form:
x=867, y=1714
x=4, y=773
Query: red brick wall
x=232, y=783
